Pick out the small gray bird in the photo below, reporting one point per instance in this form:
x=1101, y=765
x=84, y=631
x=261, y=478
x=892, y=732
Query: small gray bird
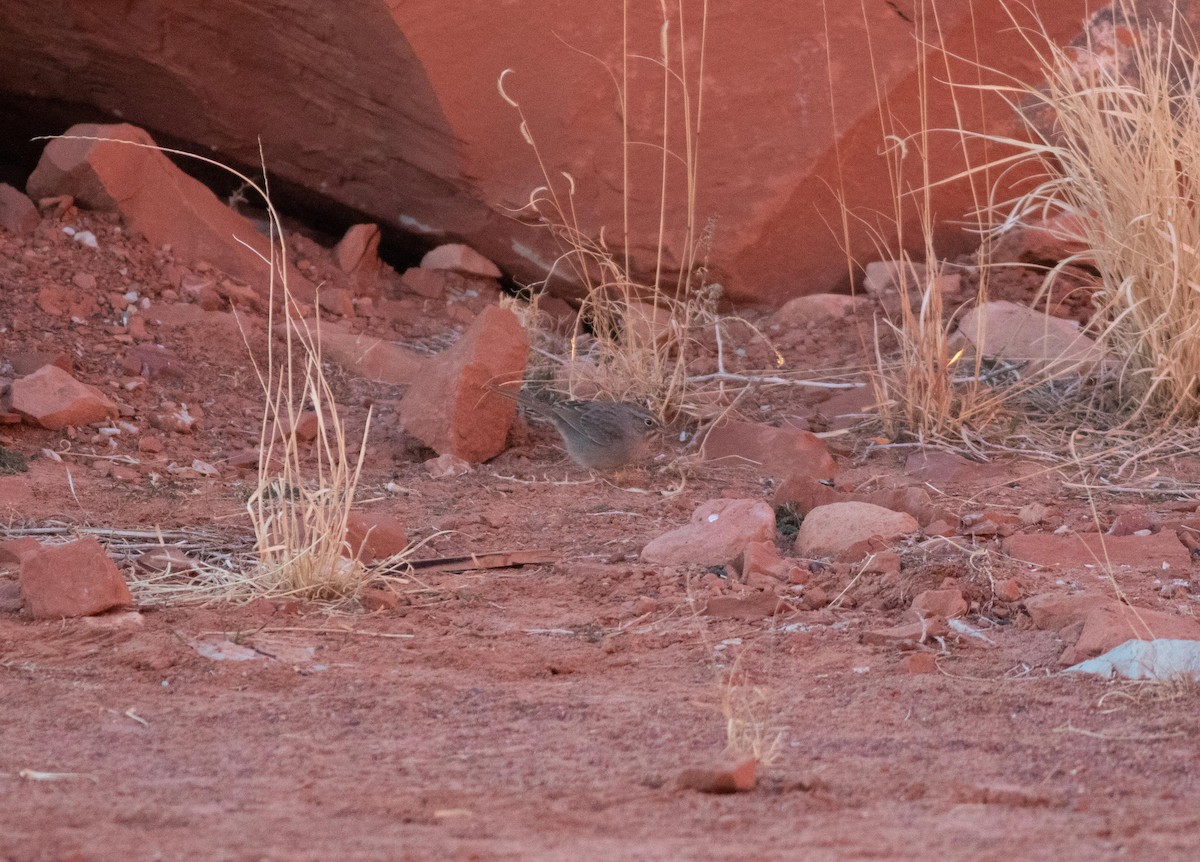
x=599, y=435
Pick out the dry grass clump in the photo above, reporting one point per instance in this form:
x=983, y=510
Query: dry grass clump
x=304, y=494
x=1115, y=133
x=750, y=711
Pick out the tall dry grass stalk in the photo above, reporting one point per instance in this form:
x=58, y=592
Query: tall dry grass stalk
x=305, y=491
x=633, y=336
x=924, y=388
x=1115, y=134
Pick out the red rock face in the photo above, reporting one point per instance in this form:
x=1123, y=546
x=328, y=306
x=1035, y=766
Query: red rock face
x=395, y=111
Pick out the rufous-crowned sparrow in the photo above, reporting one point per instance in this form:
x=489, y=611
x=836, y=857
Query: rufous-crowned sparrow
x=600, y=435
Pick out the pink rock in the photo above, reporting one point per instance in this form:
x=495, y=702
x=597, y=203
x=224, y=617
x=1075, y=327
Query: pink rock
x=18, y=215
x=152, y=361
x=156, y=199
x=375, y=536
x=52, y=398
x=940, y=603
x=336, y=300
x=835, y=529
x=369, y=357
x=779, y=452
x=1159, y=552
x=449, y=407
x=717, y=534
x=429, y=283
x=820, y=308
x=358, y=251
x=73, y=580
x=462, y=259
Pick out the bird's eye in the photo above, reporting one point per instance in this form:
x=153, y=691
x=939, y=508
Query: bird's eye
x=649, y=422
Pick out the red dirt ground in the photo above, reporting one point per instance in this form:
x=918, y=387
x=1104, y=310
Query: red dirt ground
x=533, y=714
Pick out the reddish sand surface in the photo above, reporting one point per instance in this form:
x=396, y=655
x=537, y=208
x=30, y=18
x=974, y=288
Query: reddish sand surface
x=544, y=712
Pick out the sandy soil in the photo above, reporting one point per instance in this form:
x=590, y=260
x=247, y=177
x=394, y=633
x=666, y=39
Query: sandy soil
x=541, y=713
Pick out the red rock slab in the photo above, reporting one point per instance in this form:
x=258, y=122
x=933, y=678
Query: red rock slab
x=1159, y=552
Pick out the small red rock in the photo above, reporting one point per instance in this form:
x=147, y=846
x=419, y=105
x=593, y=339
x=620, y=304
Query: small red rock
x=378, y=599
x=940, y=603
x=644, y=605
x=150, y=444
x=52, y=398
x=737, y=779
x=1007, y=590
x=375, y=536
x=73, y=580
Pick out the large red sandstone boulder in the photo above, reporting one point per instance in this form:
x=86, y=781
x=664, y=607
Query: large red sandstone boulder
x=156, y=199
x=387, y=118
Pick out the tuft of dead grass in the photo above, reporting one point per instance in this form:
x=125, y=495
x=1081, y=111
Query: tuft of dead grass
x=303, y=496
x=750, y=711
x=1114, y=136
